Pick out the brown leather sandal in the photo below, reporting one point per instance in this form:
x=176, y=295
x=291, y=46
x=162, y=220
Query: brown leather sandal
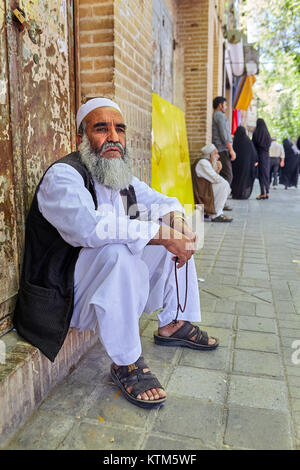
x=134, y=375
x=182, y=337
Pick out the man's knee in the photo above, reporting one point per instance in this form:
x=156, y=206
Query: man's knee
x=115, y=252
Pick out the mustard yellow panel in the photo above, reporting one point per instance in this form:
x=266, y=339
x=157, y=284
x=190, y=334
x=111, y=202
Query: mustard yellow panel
x=246, y=94
x=171, y=171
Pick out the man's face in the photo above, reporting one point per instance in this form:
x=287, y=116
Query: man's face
x=105, y=127
x=223, y=107
x=214, y=156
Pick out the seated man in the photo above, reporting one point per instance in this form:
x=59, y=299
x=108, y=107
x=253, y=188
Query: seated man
x=212, y=190
x=91, y=263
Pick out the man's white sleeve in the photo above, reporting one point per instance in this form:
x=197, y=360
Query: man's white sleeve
x=66, y=203
x=204, y=169
x=153, y=203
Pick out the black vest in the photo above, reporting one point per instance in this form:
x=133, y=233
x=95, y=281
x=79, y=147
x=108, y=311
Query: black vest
x=46, y=296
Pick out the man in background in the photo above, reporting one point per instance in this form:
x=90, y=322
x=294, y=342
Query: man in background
x=210, y=188
x=277, y=156
x=221, y=138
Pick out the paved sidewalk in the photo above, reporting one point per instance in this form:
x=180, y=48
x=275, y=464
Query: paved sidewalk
x=245, y=394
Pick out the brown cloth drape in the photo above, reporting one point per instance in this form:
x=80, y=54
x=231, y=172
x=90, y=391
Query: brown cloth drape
x=203, y=192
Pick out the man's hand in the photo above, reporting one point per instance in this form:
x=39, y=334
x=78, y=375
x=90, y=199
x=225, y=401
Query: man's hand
x=282, y=162
x=231, y=151
x=181, y=226
x=175, y=242
x=219, y=167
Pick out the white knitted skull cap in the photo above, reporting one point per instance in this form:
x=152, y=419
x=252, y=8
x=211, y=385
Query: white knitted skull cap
x=92, y=104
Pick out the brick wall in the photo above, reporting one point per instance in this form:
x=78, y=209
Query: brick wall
x=96, y=48
x=115, y=50
x=133, y=77
x=218, y=59
x=196, y=36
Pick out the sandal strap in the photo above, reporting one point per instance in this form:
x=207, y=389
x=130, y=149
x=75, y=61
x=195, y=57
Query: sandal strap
x=184, y=332
x=188, y=331
x=133, y=375
x=202, y=336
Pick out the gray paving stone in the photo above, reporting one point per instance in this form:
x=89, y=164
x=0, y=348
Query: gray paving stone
x=218, y=319
x=68, y=398
x=258, y=392
x=293, y=381
x=295, y=325
x=99, y=436
x=225, y=271
x=257, y=324
x=295, y=403
x=42, y=432
x=262, y=283
x=284, y=306
x=110, y=407
x=266, y=296
x=231, y=280
x=257, y=341
x=222, y=292
x=227, y=264
x=281, y=294
x=245, y=308
x=287, y=316
x=256, y=260
x=264, y=310
x=215, y=359
x=294, y=392
x=225, y=306
x=255, y=267
x=251, y=299
x=246, y=282
x=253, y=274
x=161, y=442
x=207, y=304
x=191, y=382
x=257, y=429
x=155, y=353
x=293, y=370
x=85, y=374
x=253, y=290
x=289, y=332
x=179, y=419
x=257, y=363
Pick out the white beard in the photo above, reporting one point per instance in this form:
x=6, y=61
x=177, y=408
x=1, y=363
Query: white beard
x=115, y=173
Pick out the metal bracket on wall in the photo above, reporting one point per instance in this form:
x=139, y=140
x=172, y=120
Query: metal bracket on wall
x=19, y=19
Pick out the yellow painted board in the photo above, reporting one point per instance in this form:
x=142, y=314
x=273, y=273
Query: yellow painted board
x=171, y=170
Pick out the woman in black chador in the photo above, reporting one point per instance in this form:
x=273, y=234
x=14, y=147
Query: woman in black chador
x=243, y=167
x=262, y=141
x=290, y=172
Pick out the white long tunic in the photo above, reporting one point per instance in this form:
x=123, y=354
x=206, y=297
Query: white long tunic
x=117, y=276
x=221, y=187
